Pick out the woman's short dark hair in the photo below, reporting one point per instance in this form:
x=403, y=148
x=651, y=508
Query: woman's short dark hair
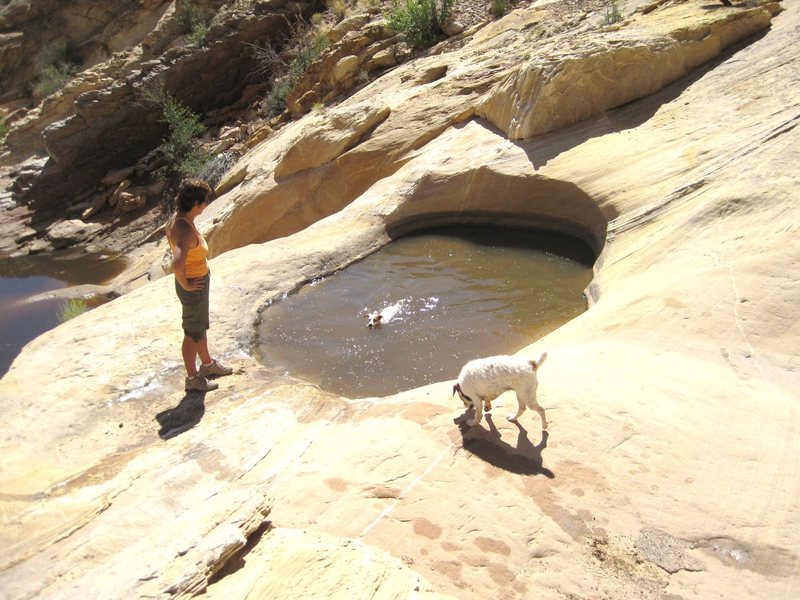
x=192, y=192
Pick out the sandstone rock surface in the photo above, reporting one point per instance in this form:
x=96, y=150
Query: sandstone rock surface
x=670, y=464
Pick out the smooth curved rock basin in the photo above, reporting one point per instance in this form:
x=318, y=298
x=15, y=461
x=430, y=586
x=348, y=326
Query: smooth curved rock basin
x=447, y=295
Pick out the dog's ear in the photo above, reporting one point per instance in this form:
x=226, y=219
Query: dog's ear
x=455, y=389
x=379, y=318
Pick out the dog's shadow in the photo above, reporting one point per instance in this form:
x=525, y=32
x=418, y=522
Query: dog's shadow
x=489, y=446
x=181, y=418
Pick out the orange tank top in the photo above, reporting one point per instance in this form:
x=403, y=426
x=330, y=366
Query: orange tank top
x=197, y=257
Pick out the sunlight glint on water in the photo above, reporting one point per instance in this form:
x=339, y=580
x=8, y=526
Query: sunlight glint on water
x=455, y=294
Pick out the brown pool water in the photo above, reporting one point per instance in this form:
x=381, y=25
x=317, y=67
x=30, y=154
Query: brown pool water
x=449, y=295
x=23, y=277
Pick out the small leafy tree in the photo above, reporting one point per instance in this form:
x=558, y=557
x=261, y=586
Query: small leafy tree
x=184, y=157
x=420, y=21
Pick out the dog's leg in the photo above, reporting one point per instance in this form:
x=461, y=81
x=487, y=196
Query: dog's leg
x=540, y=410
x=520, y=409
x=478, y=413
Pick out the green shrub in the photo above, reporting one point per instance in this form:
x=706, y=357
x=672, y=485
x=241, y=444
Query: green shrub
x=420, y=21
x=275, y=102
x=309, y=48
x=305, y=47
x=71, y=309
x=54, y=65
x=193, y=23
x=498, y=8
x=52, y=78
x=338, y=8
x=613, y=13
x=189, y=16
x=198, y=35
x=184, y=157
x=3, y=129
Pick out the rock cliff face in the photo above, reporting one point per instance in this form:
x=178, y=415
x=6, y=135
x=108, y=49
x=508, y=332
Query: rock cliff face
x=93, y=31
x=669, y=467
x=102, y=120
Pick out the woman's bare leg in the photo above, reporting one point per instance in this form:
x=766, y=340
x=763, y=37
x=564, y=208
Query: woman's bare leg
x=202, y=350
x=189, y=352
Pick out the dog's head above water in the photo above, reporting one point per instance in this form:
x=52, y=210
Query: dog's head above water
x=374, y=319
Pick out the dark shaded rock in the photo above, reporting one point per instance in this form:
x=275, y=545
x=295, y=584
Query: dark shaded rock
x=115, y=126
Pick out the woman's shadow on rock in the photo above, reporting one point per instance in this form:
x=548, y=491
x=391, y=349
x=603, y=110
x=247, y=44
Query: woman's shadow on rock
x=525, y=459
x=175, y=421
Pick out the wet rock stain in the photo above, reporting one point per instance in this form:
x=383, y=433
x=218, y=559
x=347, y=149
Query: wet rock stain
x=427, y=529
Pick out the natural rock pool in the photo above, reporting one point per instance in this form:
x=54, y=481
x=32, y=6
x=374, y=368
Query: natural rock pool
x=22, y=278
x=448, y=295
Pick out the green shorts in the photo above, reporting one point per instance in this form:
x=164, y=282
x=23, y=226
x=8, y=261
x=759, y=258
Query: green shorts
x=195, y=309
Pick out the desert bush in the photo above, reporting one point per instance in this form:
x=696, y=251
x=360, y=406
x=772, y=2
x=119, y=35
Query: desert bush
x=215, y=169
x=52, y=78
x=419, y=21
x=275, y=102
x=198, y=35
x=498, y=8
x=304, y=47
x=71, y=309
x=3, y=129
x=338, y=8
x=193, y=23
x=366, y=5
x=613, y=13
x=308, y=49
x=55, y=65
x=189, y=16
x=184, y=157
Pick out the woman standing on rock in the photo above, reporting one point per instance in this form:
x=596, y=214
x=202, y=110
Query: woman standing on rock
x=192, y=277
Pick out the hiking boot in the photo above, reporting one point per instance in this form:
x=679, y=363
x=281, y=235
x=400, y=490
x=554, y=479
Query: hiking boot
x=198, y=383
x=215, y=369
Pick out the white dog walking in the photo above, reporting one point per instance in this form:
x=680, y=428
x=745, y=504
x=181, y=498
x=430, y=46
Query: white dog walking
x=484, y=379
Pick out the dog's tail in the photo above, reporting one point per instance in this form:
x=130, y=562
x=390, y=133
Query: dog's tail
x=536, y=363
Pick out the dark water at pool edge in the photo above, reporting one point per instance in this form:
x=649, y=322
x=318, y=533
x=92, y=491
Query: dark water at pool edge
x=23, y=277
x=464, y=292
